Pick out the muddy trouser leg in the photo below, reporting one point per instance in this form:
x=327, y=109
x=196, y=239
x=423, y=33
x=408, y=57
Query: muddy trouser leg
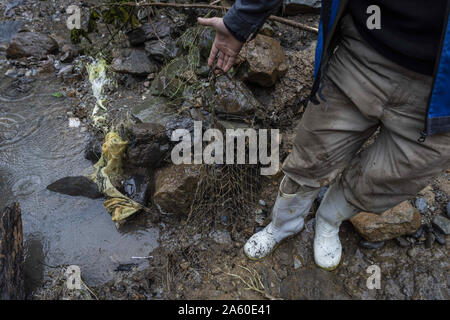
x=364, y=91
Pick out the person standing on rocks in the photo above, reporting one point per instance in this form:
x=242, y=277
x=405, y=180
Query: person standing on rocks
x=395, y=77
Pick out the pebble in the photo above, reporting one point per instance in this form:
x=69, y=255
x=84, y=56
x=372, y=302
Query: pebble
x=412, y=252
x=429, y=240
x=442, y=224
x=418, y=233
x=371, y=245
x=421, y=205
x=262, y=202
x=439, y=237
x=448, y=209
x=402, y=242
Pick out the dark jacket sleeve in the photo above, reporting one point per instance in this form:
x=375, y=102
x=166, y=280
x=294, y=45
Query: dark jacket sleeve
x=246, y=17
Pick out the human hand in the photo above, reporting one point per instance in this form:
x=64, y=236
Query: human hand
x=225, y=45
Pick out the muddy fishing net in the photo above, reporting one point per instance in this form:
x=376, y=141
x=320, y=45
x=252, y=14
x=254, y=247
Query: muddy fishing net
x=225, y=198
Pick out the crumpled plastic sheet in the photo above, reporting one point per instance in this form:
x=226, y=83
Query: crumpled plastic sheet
x=108, y=169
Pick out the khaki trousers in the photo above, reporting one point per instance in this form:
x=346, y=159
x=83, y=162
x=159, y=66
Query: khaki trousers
x=364, y=91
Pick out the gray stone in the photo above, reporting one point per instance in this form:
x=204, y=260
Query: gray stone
x=220, y=237
x=158, y=29
x=421, y=205
x=162, y=50
x=442, y=224
x=448, y=209
x=9, y=29
x=76, y=186
x=132, y=61
x=233, y=97
x=26, y=44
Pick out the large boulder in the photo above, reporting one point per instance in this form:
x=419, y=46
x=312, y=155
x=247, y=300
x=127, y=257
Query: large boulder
x=26, y=44
x=175, y=188
x=233, y=97
x=401, y=220
x=132, y=61
x=147, y=146
x=265, y=61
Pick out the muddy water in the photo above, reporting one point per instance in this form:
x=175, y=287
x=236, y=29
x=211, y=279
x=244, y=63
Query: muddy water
x=37, y=147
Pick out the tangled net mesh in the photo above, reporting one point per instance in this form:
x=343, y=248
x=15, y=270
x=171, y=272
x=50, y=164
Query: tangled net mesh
x=225, y=198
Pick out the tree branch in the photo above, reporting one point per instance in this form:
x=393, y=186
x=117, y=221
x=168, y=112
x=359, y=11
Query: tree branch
x=208, y=6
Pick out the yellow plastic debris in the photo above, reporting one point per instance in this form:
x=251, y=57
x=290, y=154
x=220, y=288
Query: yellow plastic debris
x=108, y=169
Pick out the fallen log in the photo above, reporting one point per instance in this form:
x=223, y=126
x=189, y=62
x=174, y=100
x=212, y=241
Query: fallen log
x=209, y=6
x=11, y=254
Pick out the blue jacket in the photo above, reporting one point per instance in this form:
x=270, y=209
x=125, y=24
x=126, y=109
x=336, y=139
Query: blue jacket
x=246, y=17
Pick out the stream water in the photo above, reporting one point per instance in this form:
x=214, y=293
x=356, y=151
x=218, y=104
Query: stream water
x=37, y=147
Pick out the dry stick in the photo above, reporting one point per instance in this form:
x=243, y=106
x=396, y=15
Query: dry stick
x=208, y=6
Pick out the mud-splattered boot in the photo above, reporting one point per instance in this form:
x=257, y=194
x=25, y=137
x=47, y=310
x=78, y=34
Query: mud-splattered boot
x=288, y=216
x=332, y=211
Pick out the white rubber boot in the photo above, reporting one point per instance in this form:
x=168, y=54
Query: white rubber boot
x=332, y=211
x=288, y=216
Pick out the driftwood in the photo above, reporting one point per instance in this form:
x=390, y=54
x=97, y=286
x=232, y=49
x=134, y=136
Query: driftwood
x=214, y=7
x=11, y=254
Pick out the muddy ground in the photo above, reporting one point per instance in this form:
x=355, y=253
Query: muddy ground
x=214, y=267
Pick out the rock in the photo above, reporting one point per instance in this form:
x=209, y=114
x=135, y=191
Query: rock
x=148, y=145
x=205, y=42
x=442, y=224
x=418, y=233
x=448, y=209
x=93, y=150
x=371, y=244
x=401, y=220
x=136, y=187
x=233, y=97
x=429, y=239
x=402, y=242
x=162, y=50
x=147, y=32
x=65, y=70
x=421, y=205
x=26, y=44
x=412, y=252
x=133, y=61
x=220, y=237
x=265, y=61
x=153, y=110
x=8, y=29
x=443, y=183
x=69, y=52
x=175, y=187
x=293, y=7
x=76, y=186
x=439, y=237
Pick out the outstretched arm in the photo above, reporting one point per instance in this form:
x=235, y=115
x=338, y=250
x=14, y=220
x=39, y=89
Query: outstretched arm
x=243, y=19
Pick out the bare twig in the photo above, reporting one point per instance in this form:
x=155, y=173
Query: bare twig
x=253, y=282
x=209, y=6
